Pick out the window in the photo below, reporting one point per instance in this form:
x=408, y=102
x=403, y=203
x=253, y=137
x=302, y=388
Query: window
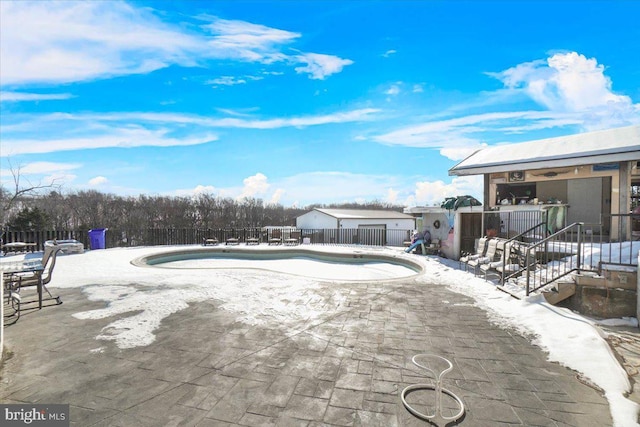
x=635, y=194
x=520, y=192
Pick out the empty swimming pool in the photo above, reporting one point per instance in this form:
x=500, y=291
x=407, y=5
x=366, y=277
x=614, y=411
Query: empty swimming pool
x=317, y=264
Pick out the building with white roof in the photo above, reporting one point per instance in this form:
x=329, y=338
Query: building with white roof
x=593, y=175
x=391, y=226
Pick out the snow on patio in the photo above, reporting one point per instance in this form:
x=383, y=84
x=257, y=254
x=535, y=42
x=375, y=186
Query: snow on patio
x=137, y=299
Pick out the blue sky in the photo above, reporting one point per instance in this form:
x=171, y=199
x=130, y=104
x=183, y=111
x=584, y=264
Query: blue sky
x=302, y=102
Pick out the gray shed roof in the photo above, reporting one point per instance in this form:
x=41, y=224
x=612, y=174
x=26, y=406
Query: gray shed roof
x=363, y=214
x=612, y=145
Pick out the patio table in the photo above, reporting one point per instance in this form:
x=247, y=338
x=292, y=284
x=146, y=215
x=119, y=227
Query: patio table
x=18, y=247
x=11, y=268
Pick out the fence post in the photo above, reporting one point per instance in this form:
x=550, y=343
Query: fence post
x=580, y=231
x=526, y=266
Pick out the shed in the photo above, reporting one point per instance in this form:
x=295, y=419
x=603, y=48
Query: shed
x=363, y=224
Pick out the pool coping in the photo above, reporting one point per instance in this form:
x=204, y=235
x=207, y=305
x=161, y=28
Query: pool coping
x=288, y=252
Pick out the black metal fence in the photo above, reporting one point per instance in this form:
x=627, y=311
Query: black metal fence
x=189, y=236
x=507, y=224
x=357, y=236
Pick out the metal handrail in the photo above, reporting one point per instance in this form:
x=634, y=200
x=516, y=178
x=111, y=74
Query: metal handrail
x=504, y=253
x=532, y=257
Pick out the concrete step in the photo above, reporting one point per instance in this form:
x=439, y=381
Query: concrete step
x=562, y=291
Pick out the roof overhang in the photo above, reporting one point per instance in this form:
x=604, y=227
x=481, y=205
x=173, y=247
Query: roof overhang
x=363, y=214
x=546, y=164
x=607, y=146
x=419, y=210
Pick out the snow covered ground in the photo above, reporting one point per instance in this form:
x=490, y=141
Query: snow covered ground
x=139, y=298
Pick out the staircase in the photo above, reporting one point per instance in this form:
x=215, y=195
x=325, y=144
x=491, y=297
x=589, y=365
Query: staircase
x=560, y=292
x=555, y=257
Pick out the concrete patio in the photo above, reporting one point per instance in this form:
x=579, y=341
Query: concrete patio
x=346, y=369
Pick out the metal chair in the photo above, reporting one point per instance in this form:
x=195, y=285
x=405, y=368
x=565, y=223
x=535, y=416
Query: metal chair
x=40, y=277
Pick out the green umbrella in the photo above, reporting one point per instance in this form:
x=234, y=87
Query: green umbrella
x=453, y=203
x=449, y=203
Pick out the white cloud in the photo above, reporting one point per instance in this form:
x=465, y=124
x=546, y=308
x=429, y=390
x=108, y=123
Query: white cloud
x=327, y=186
x=24, y=96
x=59, y=178
x=198, y=189
x=389, y=53
x=61, y=42
x=226, y=81
x=571, y=89
x=247, y=41
x=45, y=173
x=393, y=90
x=204, y=189
x=392, y=196
x=245, y=112
x=571, y=83
x=98, y=181
x=225, y=122
x=461, y=152
x=123, y=138
x=277, y=196
x=320, y=66
x=92, y=130
x=76, y=41
x=47, y=167
x=254, y=186
x=457, y=136
x=417, y=88
x=429, y=193
x=232, y=80
x=565, y=82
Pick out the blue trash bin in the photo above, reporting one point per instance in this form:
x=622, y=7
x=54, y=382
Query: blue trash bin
x=97, y=238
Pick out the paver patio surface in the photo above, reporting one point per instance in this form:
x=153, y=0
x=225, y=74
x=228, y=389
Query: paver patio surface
x=346, y=368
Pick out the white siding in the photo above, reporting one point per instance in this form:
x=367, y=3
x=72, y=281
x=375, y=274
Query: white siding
x=392, y=231
x=316, y=220
x=391, y=224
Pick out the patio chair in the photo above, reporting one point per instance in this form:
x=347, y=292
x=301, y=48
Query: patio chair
x=209, y=241
x=293, y=239
x=253, y=240
x=232, y=241
x=35, y=278
x=13, y=302
x=481, y=249
x=506, y=263
x=407, y=242
x=433, y=248
x=276, y=237
x=489, y=256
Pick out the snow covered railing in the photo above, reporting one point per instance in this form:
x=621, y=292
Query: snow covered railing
x=573, y=249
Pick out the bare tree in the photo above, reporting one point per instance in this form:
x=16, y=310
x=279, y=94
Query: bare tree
x=21, y=188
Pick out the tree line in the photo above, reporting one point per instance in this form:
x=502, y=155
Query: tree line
x=83, y=210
